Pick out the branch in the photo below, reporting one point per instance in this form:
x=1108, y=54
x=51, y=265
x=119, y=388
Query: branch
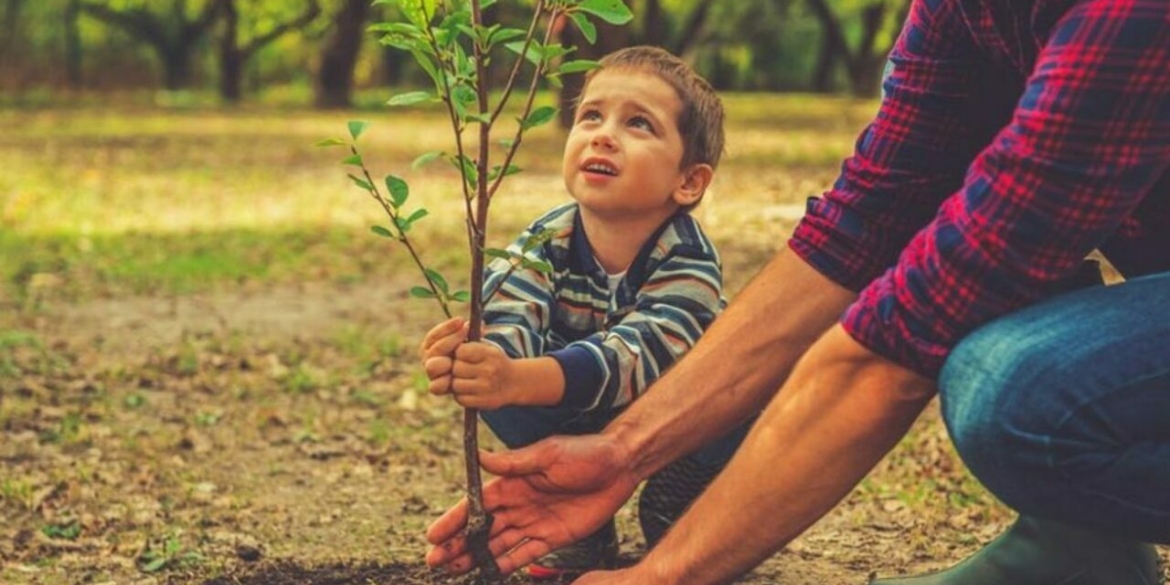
x=690, y=31
x=519, y=61
x=312, y=11
x=527, y=105
x=140, y=23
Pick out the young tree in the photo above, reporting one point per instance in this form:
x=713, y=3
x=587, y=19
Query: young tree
x=452, y=42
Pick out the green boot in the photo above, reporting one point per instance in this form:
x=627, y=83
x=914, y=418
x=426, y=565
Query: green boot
x=1043, y=552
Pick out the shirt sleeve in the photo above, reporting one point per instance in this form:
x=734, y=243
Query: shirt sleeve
x=1089, y=137
x=677, y=303
x=942, y=104
x=518, y=316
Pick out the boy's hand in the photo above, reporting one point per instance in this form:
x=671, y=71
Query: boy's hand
x=436, y=350
x=482, y=371
x=483, y=377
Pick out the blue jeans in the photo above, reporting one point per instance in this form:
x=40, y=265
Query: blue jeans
x=1063, y=409
x=519, y=426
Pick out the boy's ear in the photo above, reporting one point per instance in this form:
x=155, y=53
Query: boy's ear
x=695, y=181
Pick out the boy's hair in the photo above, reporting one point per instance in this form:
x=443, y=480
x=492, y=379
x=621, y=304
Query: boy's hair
x=700, y=123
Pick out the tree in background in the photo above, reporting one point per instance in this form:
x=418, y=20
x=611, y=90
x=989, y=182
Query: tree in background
x=339, y=55
x=880, y=21
x=173, y=34
x=267, y=24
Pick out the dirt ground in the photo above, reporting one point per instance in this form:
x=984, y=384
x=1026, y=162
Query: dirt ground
x=281, y=436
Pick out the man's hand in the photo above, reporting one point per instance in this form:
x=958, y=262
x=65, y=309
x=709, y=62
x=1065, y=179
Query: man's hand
x=548, y=495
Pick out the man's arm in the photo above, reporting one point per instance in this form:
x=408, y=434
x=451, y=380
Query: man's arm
x=735, y=368
x=842, y=409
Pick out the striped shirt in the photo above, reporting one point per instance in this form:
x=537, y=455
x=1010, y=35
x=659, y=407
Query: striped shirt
x=611, y=345
x=1015, y=137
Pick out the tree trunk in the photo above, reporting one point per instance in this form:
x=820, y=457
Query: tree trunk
x=174, y=51
x=833, y=47
x=339, y=57
x=865, y=70
x=231, y=62
x=73, y=45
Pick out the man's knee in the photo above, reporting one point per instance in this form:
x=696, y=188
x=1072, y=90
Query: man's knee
x=991, y=401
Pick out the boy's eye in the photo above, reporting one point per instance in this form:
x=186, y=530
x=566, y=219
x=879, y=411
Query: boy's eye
x=589, y=115
x=642, y=123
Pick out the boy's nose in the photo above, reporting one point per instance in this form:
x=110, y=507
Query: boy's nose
x=603, y=139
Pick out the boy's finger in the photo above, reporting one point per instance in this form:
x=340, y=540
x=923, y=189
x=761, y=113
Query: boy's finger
x=442, y=330
x=437, y=366
x=439, y=386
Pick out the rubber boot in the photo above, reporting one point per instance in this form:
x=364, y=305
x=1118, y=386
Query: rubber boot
x=1043, y=552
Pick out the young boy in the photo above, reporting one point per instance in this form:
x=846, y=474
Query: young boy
x=634, y=283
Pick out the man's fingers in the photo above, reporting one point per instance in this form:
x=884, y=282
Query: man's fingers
x=522, y=461
x=449, y=525
x=523, y=554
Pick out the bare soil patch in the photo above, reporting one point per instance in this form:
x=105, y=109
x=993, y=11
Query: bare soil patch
x=282, y=436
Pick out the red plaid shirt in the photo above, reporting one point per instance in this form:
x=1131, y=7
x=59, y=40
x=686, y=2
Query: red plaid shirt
x=1015, y=138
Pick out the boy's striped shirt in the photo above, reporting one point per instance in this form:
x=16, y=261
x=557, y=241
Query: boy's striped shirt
x=611, y=345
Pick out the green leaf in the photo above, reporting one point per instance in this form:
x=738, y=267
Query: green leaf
x=578, y=66
x=155, y=565
x=426, y=61
x=587, y=28
x=484, y=4
x=504, y=35
x=426, y=158
x=485, y=118
x=507, y=142
x=381, y=231
x=356, y=127
x=512, y=170
x=537, y=265
x=538, y=239
x=353, y=159
x=330, y=142
x=361, y=183
x=420, y=292
x=437, y=279
x=497, y=253
x=461, y=296
x=419, y=12
x=398, y=190
x=417, y=215
x=410, y=98
x=541, y=115
x=611, y=11
x=533, y=53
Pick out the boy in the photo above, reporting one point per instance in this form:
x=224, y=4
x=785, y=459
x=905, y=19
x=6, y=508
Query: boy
x=634, y=284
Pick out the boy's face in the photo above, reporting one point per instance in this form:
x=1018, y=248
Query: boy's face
x=623, y=152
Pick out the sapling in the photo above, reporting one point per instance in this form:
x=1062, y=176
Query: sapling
x=452, y=43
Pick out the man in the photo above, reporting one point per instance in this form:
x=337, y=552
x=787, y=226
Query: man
x=1014, y=138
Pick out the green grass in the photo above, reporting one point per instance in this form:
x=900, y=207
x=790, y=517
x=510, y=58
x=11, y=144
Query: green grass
x=109, y=199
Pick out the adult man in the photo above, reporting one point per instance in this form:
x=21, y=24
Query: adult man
x=1015, y=137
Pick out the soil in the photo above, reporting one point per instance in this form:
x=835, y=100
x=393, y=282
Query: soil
x=280, y=435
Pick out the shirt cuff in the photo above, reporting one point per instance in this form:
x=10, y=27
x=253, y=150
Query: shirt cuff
x=583, y=376
x=879, y=322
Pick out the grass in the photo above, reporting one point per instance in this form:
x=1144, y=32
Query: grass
x=101, y=200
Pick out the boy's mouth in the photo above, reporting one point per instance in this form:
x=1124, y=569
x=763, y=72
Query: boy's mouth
x=600, y=167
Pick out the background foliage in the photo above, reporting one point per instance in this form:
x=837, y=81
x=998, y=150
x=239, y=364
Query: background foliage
x=315, y=51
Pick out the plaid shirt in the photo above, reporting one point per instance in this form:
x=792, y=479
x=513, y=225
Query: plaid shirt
x=1015, y=137
x=611, y=344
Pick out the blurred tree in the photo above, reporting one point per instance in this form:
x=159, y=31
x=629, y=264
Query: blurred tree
x=274, y=19
x=339, y=55
x=172, y=35
x=879, y=23
x=73, y=44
